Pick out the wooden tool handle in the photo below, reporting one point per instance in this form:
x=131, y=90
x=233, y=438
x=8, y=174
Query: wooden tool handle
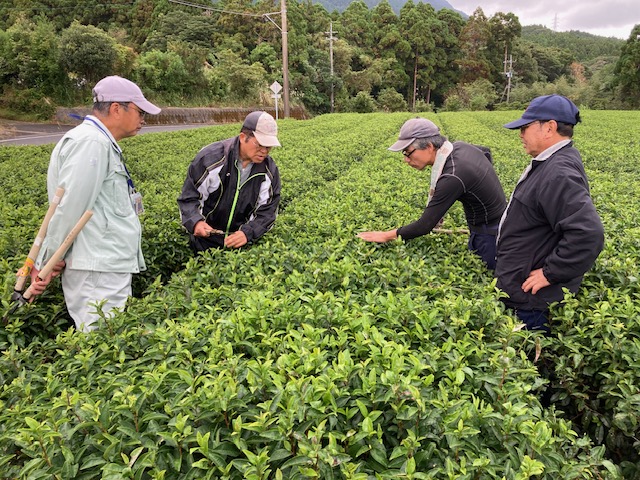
x=25, y=270
x=62, y=249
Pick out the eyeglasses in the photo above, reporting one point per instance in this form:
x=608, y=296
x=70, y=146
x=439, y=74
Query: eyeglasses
x=408, y=154
x=257, y=144
x=524, y=127
x=142, y=113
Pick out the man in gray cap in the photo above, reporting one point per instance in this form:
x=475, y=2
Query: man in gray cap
x=460, y=171
x=550, y=233
x=88, y=163
x=231, y=194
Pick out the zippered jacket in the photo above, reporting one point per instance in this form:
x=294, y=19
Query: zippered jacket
x=87, y=162
x=212, y=192
x=550, y=223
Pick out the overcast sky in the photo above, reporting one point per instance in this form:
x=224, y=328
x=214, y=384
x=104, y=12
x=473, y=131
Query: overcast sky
x=610, y=18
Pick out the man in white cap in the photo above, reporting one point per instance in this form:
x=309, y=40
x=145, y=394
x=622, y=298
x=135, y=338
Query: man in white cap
x=550, y=234
x=460, y=171
x=231, y=194
x=88, y=163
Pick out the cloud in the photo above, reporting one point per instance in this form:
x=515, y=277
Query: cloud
x=605, y=14
x=592, y=16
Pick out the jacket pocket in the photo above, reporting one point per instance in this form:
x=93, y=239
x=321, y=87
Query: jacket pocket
x=120, y=198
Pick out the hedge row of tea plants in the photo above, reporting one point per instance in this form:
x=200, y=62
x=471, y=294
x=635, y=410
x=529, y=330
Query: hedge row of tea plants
x=313, y=354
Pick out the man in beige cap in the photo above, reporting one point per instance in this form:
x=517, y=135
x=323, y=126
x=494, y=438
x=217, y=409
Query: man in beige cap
x=460, y=171
x=231, y=194
x=88, y=163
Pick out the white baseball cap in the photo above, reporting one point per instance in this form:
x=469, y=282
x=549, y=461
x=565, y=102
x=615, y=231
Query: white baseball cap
x=118, y=89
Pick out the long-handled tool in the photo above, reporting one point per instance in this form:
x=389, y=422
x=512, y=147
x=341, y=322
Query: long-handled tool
x=24, y=271
x=451, y=231
x=21, y=299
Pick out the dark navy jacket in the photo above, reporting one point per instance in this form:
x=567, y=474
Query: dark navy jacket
x=551, y=223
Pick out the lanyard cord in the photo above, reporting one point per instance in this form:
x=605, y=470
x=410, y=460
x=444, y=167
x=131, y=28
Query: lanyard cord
x=132, y=187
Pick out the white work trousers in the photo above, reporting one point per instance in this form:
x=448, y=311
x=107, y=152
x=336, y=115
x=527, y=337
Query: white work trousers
x=83, y=288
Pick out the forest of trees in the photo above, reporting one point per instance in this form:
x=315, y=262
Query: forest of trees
x=182, y=54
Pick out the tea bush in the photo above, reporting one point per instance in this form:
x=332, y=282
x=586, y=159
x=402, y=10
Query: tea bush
x=313, y=354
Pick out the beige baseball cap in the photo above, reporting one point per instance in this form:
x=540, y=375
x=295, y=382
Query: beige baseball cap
x=264, y=128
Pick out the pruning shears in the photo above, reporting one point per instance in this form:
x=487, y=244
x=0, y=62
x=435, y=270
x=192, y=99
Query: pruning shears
x=24, y=272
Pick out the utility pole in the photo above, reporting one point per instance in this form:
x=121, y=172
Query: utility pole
x=285, y=53
x=285, y=56
x=509, y=73
x=283, y=31
x=331, y=39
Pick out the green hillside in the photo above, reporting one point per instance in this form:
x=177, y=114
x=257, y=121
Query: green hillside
x=584, y=46
x=341, y=5
x=380, y=57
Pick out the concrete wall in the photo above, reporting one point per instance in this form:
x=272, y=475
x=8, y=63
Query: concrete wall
x=177, y=116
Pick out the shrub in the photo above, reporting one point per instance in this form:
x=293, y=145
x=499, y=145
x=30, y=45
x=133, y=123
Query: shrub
x=29, y=101
x=392, y=101
x=453, y=103
x=314, y=354
x=363, y=102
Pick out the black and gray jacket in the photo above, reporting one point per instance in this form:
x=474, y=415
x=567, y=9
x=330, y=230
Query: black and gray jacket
x=212, y=192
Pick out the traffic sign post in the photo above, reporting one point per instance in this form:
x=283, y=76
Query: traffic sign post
x=276, y=88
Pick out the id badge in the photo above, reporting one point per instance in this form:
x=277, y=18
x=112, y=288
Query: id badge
x=136, y=201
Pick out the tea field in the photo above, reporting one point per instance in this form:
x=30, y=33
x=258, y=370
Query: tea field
x=313, y=354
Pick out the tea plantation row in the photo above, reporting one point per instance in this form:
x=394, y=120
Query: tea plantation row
x=313, y=354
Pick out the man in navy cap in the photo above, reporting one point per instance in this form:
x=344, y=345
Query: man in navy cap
x=550, y=234
x=459, y=171
x=231, y=194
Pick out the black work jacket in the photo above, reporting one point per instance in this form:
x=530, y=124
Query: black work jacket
x=468, y=176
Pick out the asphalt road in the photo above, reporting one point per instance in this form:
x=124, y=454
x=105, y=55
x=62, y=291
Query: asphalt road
x=21, y=133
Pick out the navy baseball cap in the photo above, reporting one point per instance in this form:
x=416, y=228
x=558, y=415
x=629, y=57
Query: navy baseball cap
x=548, y=107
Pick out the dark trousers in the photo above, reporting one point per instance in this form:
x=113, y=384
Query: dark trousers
x=200, y=244
x=484, y=245
x=535, y=319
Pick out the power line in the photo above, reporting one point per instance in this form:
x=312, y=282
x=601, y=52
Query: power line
x=283, y=31
x=211, y=9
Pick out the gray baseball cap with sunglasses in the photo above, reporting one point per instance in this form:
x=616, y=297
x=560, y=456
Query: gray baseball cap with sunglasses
x=413, y=129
